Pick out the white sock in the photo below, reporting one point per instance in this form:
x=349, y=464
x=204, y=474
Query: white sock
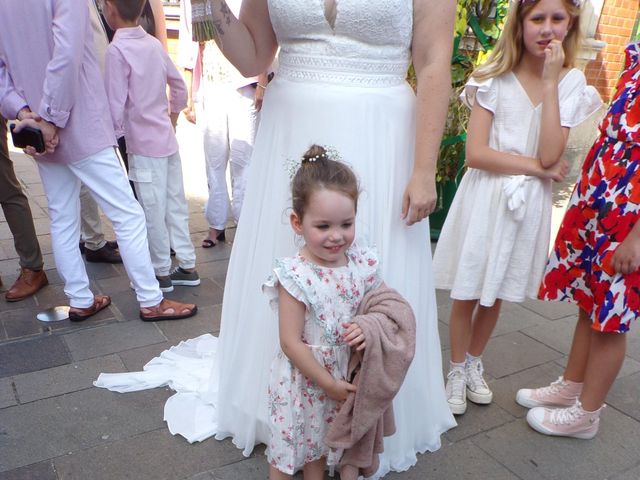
x=456, y=366
x=471, y=359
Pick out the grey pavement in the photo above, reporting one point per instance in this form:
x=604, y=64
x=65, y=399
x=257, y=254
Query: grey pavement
x=55, y=425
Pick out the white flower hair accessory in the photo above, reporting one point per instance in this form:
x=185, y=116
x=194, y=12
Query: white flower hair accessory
x=330, y=153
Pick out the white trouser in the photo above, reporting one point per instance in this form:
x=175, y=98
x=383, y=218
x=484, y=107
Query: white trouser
x=90, y=224
x=103, y=176
x=229, y=120
x=160, y=190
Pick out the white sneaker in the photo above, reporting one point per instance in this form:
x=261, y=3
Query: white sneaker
x=477, y=389
x=573, y=422
x=456, y=391
x=561, y=393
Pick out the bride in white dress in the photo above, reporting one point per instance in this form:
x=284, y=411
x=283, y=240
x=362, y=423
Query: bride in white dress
x=340, y=82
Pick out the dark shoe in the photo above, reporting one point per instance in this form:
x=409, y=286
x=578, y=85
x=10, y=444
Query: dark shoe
x=100, y=302
x=168, y=310
x=208, y=243
x=28, y=283
x=112, y=243
x=165, y=283
x=106, y=254
x=182, y=277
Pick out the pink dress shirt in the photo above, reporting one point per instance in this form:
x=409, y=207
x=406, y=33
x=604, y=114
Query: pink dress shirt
x=47, y=63
x=136, y=77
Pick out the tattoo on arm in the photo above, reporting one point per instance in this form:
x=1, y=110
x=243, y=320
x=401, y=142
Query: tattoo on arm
x=226, y=12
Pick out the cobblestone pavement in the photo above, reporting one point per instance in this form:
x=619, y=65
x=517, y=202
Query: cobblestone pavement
x=55, y=425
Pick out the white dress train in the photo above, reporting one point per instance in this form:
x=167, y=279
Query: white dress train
x=344, y=87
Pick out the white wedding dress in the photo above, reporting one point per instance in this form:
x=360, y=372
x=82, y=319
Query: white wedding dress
x=342, y=86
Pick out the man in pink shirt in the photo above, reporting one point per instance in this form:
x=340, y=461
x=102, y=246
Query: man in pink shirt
x=137, y=71
x=49, y=79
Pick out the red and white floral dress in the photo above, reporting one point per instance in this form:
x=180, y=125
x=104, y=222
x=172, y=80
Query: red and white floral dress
x=299, y=410
x=604, y=207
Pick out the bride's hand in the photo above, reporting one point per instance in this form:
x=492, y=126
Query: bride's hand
x=419, y=199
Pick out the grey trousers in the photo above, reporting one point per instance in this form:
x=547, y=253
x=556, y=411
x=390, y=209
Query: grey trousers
x=16, y=209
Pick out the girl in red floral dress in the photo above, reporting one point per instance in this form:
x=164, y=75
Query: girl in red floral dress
x=595, y=263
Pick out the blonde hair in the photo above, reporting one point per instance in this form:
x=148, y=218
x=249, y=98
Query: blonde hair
x=509, y=49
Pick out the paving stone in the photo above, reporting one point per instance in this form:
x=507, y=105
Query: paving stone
x=478, y=418
x=207, y=293
x=155, y=455
x=23, y=304
x=136, y=358
x=624, y=395
x=55, y=426
x=98, y=271
x=125, y=305
x=32, y=355
x=551, y=310
x=22, y=322
x=514, y=317
x=254, y=468
x=7, y=396
x=631, y=474
x=65, y=379
x=461, y=461
x=221, y=251
x=531, y=455
x=557, y=335
x=36, y=471
x=113, y=338
x=514, y=352
x=216, y=271
x=206, y=321
x=445, y=339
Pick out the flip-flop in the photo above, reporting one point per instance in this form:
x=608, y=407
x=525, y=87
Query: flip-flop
x=161, y=311
x=100, y=302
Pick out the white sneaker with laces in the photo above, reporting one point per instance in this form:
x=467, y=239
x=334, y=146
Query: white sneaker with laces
x=561, y=393
x=456, y=391
x=573, y=421
x=477, y=389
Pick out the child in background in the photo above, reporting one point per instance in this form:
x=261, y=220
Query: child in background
x=314, y=292
x=494, y=242
x=137, y=73
x=594, y=263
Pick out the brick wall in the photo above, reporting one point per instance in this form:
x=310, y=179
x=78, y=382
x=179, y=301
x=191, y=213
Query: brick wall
x=615, y=27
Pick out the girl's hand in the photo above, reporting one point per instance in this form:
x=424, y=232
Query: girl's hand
x=558, y=171
x=626, y=258
x=339, y=390
x=553, y=61
x=419, y=199
x=354, y=336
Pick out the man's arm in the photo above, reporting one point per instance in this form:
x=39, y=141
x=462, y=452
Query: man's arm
x=70, y=19
x=11, y=102
x=116, y=79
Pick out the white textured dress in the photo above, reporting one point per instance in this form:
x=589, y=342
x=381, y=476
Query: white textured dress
x=341, y=86
x=495, y=239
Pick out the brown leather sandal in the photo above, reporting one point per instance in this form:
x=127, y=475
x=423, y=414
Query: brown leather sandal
x=100, y=302
x=168, y=310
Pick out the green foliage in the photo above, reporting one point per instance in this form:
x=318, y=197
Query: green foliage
x=477, y=28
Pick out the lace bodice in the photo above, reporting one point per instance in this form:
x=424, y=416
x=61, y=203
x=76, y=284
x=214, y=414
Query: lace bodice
x=369, y=43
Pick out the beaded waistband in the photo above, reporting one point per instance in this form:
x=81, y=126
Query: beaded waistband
x=342, y=71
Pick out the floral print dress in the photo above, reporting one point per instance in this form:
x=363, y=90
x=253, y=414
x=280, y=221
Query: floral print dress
x=603, y=209
x=299, y=410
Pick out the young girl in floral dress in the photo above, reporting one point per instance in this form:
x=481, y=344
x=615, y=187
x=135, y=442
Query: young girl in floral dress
x=594, y=263
x=315, y=294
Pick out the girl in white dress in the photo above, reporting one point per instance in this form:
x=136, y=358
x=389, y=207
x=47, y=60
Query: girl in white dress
x=315, y=293
x=495, y=239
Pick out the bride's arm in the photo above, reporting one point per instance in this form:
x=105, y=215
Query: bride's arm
x=249, y=42
x=431, y=54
